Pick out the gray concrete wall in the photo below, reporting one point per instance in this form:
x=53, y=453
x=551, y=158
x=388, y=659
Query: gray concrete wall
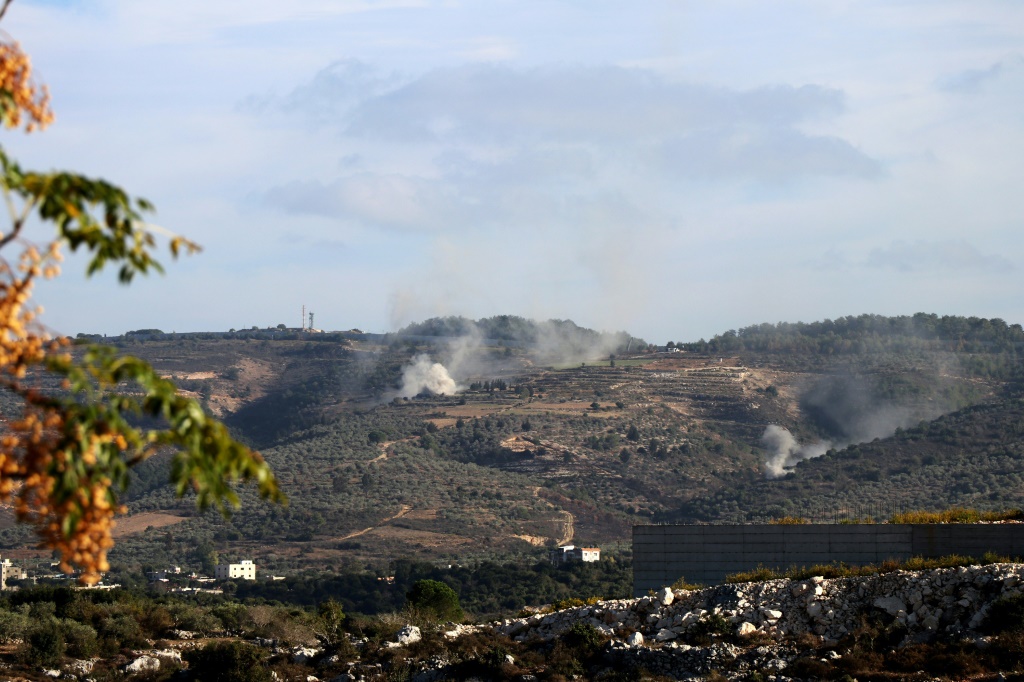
x=706, y=554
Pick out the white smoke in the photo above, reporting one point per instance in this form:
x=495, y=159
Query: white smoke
x=786, y=451
x=424, y=375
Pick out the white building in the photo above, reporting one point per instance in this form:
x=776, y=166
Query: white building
x=244, y=570
x=8, y=571
x=567, y=553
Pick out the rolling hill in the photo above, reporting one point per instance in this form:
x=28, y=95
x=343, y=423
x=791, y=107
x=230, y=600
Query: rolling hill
x=535, y=449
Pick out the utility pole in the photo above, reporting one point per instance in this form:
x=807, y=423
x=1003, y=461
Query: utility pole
x=303, y=322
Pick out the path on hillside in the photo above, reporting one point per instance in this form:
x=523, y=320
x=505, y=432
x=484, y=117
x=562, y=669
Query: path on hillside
x=402, y=512
x=567, y=530
x=387, y=444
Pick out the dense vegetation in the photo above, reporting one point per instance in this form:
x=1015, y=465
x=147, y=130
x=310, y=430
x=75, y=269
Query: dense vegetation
x=484, y=589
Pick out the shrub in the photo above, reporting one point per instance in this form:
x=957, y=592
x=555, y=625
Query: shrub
x=80, y=639
x=229, y=662
x=583, y=637
x=1006, y=615
x=789, y=521
x=122, y=631
x=683, y=584
x=13, y=625
x=435, y=598
x=957, y=515
x=44, y=644
x=567, y=603
x=710, y=626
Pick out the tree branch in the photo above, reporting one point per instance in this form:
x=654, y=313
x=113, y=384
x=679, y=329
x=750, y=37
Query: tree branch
x=3, y=10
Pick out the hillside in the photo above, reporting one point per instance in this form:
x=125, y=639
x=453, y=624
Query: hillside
x=523, y=448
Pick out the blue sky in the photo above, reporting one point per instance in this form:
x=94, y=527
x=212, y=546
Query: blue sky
x=676, y=169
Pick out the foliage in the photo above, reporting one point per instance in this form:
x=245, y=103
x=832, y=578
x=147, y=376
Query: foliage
x=865, y=334
x=1006, y=614
x=229, y=662
x=789, y=521
x=435, y=598
x=957, y=515
x=682, y=583
x=45, y=644
x=66, y=459
x=709, y=626
x=486, y=589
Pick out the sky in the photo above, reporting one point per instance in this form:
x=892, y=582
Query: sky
x=673, y=169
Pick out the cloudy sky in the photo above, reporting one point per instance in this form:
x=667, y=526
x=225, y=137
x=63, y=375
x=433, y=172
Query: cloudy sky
x=675, y=169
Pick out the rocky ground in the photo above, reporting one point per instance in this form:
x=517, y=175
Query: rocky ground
x=650, y=633
x=920, y=625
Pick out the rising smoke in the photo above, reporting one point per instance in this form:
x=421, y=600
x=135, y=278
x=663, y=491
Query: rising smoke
x=846, y=408
x=423, y=375
x=786, y=451
x=464, y=352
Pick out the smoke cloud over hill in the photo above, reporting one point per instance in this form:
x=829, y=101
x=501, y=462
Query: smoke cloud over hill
x=465, y=348
x=846, y=408
x=424, y=375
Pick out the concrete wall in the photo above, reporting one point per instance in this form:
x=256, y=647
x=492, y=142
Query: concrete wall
x=706, y=554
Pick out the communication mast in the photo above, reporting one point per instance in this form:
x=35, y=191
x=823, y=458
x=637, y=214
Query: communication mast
x=302, y=322
x=310, y=320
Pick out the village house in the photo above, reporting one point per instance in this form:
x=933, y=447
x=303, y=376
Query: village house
x=569, y=553
x=244, y=570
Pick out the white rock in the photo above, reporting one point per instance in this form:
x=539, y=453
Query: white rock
x=772, y=614
x=52, y=673
x=745, y=629
x=635, y=639
x=142, y=664
x=666, y=596
x=410, y=634
x=80, y=667
x=891, y=605
x=168, y=654
x=665, y=635
x=303, y=655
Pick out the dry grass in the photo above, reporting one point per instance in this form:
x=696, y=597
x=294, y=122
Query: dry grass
x=789, y=521
x=958, y=515
x=140, y=523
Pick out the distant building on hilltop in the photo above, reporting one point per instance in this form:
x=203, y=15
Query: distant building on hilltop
x=244, y=570
x=568, y=553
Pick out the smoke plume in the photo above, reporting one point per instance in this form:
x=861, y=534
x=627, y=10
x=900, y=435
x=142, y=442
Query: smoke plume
x=786, y=451
x=847, y=409
x=423, y=375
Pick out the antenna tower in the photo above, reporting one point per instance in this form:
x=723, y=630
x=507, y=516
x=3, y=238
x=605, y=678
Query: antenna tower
x=302, y=322
x=310, y=320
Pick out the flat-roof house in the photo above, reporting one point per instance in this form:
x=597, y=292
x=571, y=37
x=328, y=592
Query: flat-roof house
x=243, y=570
x=567, y=553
